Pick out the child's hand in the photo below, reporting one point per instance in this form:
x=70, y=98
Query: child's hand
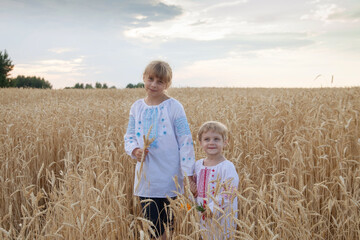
x=193, y=188
x=207, y=213
x=192, y=185
x=137, y=152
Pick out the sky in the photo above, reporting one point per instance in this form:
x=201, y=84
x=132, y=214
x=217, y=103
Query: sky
x=208, y=43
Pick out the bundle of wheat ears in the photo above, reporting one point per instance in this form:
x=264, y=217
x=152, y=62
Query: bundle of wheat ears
x=147, y=143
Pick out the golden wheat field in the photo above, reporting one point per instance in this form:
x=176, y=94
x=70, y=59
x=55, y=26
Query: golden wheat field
x=64, y=173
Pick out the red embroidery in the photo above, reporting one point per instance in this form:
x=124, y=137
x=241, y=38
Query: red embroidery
x=203, y=182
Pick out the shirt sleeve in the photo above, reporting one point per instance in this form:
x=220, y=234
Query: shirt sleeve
x=185, y=142
x=229, y=184
x=130, y=138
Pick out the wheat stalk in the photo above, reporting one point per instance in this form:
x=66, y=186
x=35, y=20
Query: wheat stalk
x=147, y=143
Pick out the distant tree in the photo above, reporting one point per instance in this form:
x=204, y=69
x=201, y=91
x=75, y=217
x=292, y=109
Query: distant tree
x=5, y=67
x=30, y=82
x=140, y=85
x=104, y=86
x=113, y=87
x=88, y=86
x=79, y=86
x=98, y=85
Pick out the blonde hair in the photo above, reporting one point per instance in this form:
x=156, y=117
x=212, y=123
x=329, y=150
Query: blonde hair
x=159, y=69
x=214, y=126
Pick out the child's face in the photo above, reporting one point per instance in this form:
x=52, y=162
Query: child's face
x=212, y=143
x=154, y=86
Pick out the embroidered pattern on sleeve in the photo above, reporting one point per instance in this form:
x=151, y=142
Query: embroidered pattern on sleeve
x=182, y=127
x=131, y=126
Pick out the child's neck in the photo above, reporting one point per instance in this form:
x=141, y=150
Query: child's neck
x=152, y=101
x=213, y=160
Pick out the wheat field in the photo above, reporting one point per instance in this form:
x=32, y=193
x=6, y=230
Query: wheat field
x=64, y=173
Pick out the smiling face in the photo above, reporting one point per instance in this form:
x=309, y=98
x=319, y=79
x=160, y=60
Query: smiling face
x=154, y=86
x=212, y=143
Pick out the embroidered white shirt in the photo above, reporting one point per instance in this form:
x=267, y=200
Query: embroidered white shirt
x=216, y=186
x=170, y=155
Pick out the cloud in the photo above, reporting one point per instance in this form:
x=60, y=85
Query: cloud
x=203, y=30
x=219, y=21
x=61, y=50
x=271, y=68
x=230, y=4
x=59, y=72
x=198, y=21
x=236, y=45
x=52, y=66
x=332, y=13
x=104, y=13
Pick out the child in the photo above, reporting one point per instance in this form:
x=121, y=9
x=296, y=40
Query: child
x=216, y=179
x=170, y=154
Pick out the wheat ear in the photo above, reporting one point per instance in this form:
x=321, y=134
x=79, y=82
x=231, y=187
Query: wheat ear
x=147, y=143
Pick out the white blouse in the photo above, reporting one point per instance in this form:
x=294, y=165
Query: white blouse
x=170, y=155
x=221, y=198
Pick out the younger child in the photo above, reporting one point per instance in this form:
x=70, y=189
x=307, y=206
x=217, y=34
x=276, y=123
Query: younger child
x=170, y=154
x=216, y=180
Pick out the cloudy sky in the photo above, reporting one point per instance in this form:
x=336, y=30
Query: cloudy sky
x=228, y=43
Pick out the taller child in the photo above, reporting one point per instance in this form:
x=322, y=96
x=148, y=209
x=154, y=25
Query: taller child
x=172, y=152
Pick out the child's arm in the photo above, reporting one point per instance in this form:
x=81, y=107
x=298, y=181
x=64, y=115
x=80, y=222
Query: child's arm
x=185, y=142
x=131, y=144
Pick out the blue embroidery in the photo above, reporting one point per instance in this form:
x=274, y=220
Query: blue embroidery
x=138, y=134
x=131, y=126
x=182, y=127
x=150, y=118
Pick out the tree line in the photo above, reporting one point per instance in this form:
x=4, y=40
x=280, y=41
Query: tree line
x=89, y=86
x=6, y=66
